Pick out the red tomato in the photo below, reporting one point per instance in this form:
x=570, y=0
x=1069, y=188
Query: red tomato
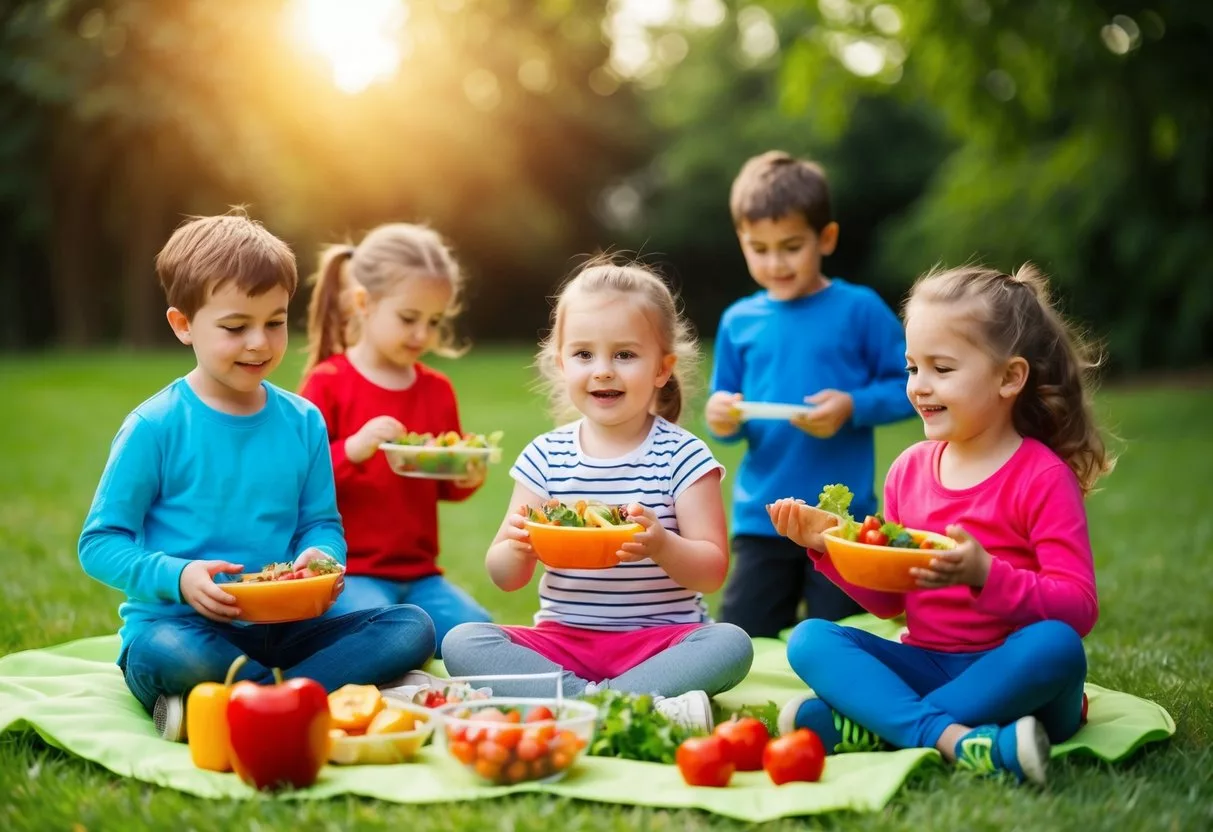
x=870, y=523
x=797, y=756
x=746, y=738
x=540, y=713
x=434, y=699
x=927, y=544
x=874, y=537
x=704, y=761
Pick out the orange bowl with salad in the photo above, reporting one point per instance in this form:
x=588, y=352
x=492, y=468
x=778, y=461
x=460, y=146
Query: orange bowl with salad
x=875, y=554
x=883, y=566
x=278, y=593
x=584, y=535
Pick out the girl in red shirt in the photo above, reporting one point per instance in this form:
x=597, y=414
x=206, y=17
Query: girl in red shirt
x=376, y=309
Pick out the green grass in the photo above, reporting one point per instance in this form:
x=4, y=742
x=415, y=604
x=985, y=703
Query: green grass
x=1152, y=529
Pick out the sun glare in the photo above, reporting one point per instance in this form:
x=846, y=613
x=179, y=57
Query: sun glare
x=359, y=39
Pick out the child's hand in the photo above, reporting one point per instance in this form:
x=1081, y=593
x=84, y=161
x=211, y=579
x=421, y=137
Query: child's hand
x=722, y=418
x=517, y=535
x=362, y=445
x=199, y=590
x=832, y=409
x=801, y=523
x=649, y=541
x=967, y=564
x=312, y=553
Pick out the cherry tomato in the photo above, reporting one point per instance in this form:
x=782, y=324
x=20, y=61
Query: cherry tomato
x=874, y=537
x=540, y=713
x=746, y=738
x=870, y=523
x=927, y=544
x=796, y=756
x=704, y=761
x=434, y=699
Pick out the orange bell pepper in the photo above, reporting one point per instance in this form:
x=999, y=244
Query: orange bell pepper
x=206, y=722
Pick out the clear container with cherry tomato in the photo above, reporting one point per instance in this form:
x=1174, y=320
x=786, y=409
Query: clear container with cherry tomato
x=508, y=740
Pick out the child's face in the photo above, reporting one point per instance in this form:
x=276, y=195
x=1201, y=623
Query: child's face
x=784, y=254
x=402, y=326
x=611, y=359
x=960, y=391
x=238, y=339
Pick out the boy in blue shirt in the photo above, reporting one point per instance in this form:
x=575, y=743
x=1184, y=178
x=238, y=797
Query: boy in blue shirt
x=221, y=472
x=803, y=339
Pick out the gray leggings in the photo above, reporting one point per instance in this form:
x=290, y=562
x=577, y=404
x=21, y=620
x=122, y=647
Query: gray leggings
x=713, y=658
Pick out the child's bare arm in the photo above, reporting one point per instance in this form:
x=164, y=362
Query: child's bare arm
x=511, y=560
x=698, y=556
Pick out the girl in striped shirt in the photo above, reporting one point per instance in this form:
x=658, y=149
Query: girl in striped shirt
x=618, y=356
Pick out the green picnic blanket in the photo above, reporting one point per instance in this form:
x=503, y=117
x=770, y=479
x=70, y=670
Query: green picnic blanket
x=73, y=695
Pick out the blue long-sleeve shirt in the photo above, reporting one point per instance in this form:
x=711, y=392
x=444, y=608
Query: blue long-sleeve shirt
x=843, y=337
x=187, y=482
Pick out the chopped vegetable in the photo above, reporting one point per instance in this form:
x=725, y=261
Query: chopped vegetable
x=579, y=515
x=630, y=727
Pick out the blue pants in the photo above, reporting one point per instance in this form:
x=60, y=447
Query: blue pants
x=447, y=605
x=908, y=695
x=172, y=655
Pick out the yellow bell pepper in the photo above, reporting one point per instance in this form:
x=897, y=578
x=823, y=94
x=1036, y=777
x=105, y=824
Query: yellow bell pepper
x=206, y=722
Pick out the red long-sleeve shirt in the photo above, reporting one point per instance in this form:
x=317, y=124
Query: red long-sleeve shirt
x=391, y=522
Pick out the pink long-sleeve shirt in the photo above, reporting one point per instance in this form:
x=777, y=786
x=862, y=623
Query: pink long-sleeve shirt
x=1028, y=515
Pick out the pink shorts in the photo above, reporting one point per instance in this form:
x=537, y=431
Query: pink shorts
x=595, y=655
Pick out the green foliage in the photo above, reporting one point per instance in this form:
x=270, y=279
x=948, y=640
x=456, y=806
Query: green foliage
x=1085, y=143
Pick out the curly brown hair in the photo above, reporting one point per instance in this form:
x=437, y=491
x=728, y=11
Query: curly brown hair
x=1016, y=316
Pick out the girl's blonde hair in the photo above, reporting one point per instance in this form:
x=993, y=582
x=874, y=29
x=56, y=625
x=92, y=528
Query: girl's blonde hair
x=602, y=275
x=385, y=257
x=1016, y=316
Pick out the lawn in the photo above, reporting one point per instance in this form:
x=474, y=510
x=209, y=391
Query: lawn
x=1152, y=529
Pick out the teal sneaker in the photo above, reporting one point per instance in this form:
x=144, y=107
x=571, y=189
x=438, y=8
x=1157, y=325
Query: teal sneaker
x=839, y=734
x=1020, y=749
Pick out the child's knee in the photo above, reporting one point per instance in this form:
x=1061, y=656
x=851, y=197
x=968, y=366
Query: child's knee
x=1057, y=646
x=468, y=636
x=808, y=640
x=412, y=623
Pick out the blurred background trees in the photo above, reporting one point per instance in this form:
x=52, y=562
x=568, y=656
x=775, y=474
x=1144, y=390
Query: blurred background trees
x=1075, y=133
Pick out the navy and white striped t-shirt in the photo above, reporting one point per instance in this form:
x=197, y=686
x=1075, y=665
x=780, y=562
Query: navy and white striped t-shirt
x=631, y=595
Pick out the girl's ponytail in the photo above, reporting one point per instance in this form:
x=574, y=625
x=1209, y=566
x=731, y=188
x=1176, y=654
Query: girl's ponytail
x=669, y=399
x=327, y=311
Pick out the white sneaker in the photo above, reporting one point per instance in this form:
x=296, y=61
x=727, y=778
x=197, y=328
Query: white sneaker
x=417, y=679
x=168, y=715
x=692, y=710
x=786, y=723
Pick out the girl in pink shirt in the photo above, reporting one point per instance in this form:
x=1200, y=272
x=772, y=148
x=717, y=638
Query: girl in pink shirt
x=991, y=668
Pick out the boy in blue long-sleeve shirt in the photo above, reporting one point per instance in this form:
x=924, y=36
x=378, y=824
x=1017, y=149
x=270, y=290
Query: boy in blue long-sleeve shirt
x=222, y=472
x=803, y=339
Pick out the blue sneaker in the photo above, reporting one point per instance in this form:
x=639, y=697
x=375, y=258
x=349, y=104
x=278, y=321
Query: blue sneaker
x=838, y=734
x=1021, y=749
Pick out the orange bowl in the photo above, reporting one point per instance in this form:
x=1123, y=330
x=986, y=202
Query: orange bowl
x=274, y=602
x=882, y=567
x=571, y=547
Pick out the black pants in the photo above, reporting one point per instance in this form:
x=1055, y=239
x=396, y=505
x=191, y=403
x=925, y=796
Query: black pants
x=770, y=577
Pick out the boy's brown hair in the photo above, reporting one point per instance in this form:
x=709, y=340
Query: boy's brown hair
x=206, y=253
x=775, y=184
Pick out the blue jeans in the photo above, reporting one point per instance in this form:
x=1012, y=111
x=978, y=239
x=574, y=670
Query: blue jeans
x=908, y=695
x=447, y=605
x=172, y=655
